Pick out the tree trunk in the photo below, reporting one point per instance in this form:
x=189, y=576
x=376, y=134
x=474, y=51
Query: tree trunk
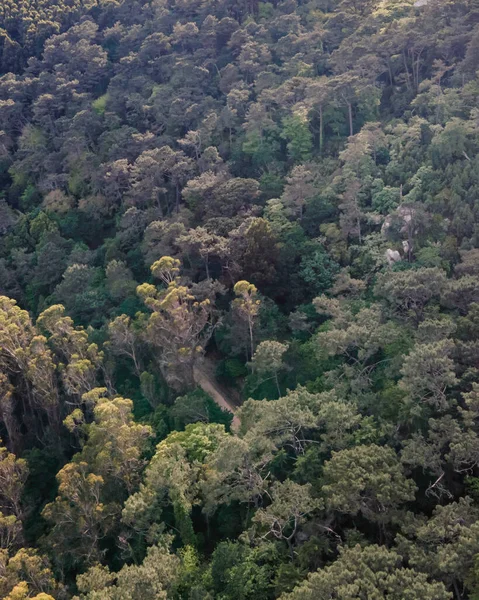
x=457, y=592
x=137, y=366
x=391, y=78
x=207, y=267
x=250, y=325
x=408, y=80
x=321, y=129
x=350, y=115
x=177, y=198
x=277, y=384
x=290, y=547
x=417, y=68
x=410, y=240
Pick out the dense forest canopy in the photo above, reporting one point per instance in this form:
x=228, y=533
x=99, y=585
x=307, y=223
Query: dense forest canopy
x=269, y=209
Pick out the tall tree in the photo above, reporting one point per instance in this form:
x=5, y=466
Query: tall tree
x=373, y=571
x=179, y=326
x=246, y=305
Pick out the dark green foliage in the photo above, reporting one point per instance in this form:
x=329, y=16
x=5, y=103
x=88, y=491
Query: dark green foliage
x=230, y=369
x=317, y=271
x=195, y=406
x=238, y=572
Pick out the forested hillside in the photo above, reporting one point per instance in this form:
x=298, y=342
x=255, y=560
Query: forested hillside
x=271, y=206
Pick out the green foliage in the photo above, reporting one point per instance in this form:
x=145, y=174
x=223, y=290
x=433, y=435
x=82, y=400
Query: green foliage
x=198, y=406
x=243, y=573
x=367, y=480
x=318, y=271
x=368, y=572
x=230, y=369
x=30, y=198
x=386, y=200
x=299, y=138
x=100, y=104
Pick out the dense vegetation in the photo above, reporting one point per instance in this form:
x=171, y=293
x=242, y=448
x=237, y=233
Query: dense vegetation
x=291, y=190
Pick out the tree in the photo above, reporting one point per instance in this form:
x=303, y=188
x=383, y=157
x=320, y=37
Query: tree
x=99, y=478
x=364, y=573
x=246, y=307
x=408, y=292
x=410, y=222
x=115, y=443
x=464, y=446
x=79, y=360
x=78, y=517
x=13, y=475
x=298, y=190
x=7, y=412
x=367, y=480
x=324, y=157
x=253, y=251
x=291, y=504
x=359, y=338
x=21, y=592
x=119, y=281
x=10, y=532
x=431, y=452
x=200, y=241
x=25, y=356
x=268, y=359
x=156, y=172
x=253, y=57
x=80, y=294
x=179, y=326
x=351, y=213
x=293, y=421
x=161, y=239
x=155, y=576
x=237, y=472
x=461, y=293
x=124, y=339
x=232, y=196
x=318, y=95
x=444, y=546
x=29, y=572
x=239, y=571
x=428, y=371
x=350, y=87
x=199, y=406
x=174, y=477
x=298, y=136
x=199, y=191
x=317, y=270
x=261, y=135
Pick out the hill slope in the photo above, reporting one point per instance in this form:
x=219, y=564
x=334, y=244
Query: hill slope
x=290, y=188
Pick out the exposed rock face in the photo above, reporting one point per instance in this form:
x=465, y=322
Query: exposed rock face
x=404, y=213
x=392, y=256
